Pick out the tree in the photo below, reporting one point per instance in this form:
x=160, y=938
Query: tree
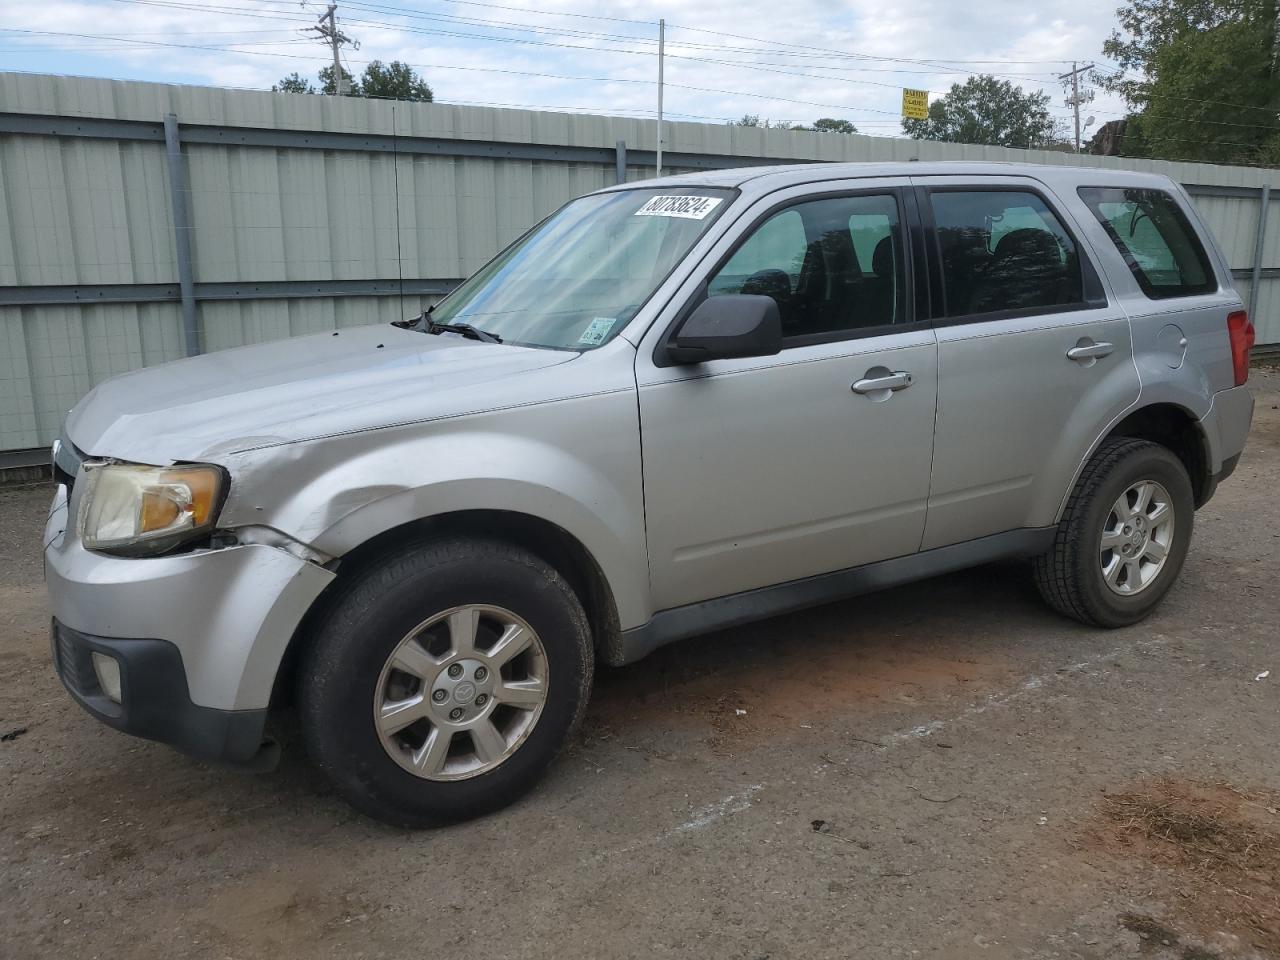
x=831, y=125
x=987, y=111
x=395, y=81
x=293, y=83
x=351, y=87
x=753, y=120
x=1200, y=76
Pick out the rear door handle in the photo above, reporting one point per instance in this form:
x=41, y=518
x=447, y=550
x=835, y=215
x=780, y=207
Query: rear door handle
x=1088, y=350
x=898, y=380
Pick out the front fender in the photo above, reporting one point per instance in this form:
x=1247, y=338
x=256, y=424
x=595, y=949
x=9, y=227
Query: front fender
x=573, y=463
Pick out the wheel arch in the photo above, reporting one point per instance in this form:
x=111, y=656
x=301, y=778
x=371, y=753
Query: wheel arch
x=1172, y=426
x=550, y=542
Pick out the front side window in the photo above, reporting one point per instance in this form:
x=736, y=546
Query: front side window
x=833, y=266
x=1156, y=240
x=1003, y=250
x=575, y=280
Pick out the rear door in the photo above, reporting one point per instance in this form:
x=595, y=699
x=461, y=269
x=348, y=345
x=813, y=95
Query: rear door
x=1034, y=357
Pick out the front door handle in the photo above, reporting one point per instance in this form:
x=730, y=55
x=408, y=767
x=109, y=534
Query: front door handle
x=1087, y=350
x=886, y=382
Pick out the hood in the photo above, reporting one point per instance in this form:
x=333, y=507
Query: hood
x=272, y=393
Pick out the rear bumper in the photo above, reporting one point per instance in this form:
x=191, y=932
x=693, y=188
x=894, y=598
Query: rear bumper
x=1211, y=487
x=1226, y=426
x=154, y=701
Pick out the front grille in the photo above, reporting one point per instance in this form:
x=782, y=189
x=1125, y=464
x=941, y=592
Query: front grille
x=66, y=462
x=74, y=663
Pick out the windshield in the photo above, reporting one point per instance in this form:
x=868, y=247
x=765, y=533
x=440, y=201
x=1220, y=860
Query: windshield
x=575, y=280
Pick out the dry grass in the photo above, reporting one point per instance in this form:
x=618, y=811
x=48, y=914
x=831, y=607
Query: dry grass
x=1223, y=844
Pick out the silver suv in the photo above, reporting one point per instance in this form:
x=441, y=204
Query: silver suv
x=671, y=407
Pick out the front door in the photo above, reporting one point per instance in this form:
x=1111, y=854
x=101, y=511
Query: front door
x=765, y=470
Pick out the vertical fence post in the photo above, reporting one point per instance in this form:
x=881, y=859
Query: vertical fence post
x=620, y=160
x=1255, y=283
x=180, y=203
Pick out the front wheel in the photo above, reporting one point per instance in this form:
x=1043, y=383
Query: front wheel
x=445, y=680
x=1123, y=536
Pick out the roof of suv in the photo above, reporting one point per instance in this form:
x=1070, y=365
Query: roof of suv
x=768, y=178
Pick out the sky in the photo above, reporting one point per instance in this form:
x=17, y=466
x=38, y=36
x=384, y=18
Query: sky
x=784, y=62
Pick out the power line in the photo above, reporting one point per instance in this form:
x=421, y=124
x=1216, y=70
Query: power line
x=942, y=65
x=650, y=23
x=502, y=70
x=690, y=59
x=1165, y=116
x=134, y=40
x=222, y=9
x=499, y=24
x=511, y=25
x=553, y=13
x=170, y=33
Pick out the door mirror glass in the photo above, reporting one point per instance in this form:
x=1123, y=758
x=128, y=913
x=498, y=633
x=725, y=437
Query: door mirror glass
x=729, y=326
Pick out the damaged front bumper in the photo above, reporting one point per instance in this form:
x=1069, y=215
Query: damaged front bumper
x=198, y=637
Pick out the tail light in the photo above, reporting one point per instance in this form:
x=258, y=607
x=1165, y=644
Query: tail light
x=1242, y=335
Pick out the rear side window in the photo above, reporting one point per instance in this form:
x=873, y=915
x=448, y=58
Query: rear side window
x=1004, y=251
x=1156, y=240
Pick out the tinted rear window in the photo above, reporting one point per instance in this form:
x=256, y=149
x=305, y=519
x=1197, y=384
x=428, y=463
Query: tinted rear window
x=1155, y=238
x=1004, y=251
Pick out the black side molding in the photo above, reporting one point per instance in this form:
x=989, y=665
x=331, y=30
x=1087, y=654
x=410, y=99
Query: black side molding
x=739, y=608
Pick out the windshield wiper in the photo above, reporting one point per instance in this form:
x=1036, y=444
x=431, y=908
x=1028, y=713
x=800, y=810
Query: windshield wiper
x=466, y=329
x=424, y=323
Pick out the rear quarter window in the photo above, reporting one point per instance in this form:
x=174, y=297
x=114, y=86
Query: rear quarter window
x=1155, y=239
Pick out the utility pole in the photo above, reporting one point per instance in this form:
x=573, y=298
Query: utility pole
x=662, y=39
x=1075, y=99
x=328, y=32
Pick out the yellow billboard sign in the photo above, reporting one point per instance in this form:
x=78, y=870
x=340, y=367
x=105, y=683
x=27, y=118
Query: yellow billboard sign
x=915, y=104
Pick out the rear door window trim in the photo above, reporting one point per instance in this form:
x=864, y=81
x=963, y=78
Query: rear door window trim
x=1095, y=297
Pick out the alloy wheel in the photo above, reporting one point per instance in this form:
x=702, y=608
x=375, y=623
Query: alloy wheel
x=461, y=692
x=1136, y=538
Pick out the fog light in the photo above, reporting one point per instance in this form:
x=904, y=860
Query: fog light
x=108, y=672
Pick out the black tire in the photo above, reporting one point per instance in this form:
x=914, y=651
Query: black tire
x=341, y=668
x=1069, y=576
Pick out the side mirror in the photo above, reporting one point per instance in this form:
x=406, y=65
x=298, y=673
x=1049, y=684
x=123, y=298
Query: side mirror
x=726, y=327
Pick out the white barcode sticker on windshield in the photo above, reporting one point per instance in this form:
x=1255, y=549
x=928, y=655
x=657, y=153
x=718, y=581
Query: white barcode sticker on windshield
x=597, y=330
x=684, y=207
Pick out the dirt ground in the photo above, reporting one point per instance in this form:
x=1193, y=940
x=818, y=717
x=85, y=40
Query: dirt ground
x=941, y=770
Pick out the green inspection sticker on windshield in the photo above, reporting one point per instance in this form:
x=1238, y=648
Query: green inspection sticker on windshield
x=597, y=330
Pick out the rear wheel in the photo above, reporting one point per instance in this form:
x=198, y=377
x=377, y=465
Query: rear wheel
x=1123, y=536
x=445, y=681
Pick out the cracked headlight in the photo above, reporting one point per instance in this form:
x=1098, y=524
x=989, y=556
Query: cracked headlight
x=137, y=510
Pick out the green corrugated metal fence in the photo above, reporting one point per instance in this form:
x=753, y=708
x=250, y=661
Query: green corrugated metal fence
x=307, y=213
